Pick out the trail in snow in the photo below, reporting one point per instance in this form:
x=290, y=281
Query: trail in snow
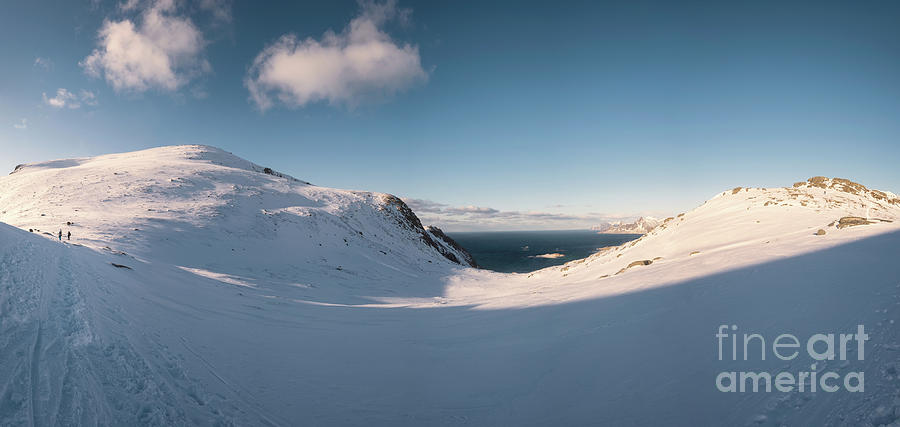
x=35, y=360
x=69, y=361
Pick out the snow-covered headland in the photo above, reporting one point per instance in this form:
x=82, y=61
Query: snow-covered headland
x=200, y=288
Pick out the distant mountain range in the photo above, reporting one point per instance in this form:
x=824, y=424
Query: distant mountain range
x=642, y=225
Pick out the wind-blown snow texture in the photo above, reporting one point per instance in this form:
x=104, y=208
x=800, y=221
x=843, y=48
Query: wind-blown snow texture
x=253, y=298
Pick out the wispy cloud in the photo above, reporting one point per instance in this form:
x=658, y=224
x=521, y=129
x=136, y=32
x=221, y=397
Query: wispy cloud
x=42, y=63
x=62, y=99
x=66, y=99
x=424, y=206
x=473, y=210
x=160, y=50
x=461, y=218
x=129, y=5
x=88, y=97
x=360, y=63
x=21, y=124
x=220, y=10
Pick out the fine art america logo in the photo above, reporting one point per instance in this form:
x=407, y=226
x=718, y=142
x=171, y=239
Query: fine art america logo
x=819, y=348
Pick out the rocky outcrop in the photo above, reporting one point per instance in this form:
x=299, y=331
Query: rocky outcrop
x=270, y=171
x=850, y=221
x=848, y=186
x=453, y=248
x=635, y=264
x=407, y=219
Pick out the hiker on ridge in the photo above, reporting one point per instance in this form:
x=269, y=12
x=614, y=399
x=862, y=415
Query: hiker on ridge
x=60, y=235
x=69, y=236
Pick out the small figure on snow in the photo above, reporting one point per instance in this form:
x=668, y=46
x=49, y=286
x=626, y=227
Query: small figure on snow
x=69, y=236
x=60, y=235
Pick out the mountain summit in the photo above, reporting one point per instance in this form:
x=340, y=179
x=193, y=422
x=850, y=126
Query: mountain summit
x=201, y=207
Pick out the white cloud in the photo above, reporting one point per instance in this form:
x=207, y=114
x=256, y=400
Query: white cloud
x=64, y=98
x=421, y=205
x=360, y=63
x=22, y=124
x=43, y=63
x=162, y=51
x=474, y=210
x=88, y=97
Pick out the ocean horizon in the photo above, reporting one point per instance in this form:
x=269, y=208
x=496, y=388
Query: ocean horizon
x=525, y=251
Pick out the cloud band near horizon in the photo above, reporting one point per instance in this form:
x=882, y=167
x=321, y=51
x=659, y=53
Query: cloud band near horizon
x=478, y=218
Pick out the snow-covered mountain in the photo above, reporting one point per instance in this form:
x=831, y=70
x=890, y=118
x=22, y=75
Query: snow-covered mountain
x=642, y=225
x=203, y=208
x=199, y=289
x=734, y=229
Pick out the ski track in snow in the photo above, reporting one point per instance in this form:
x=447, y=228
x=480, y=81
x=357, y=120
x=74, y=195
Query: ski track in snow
x=73, y=375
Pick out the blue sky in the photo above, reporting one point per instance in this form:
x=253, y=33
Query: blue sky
x=516, y=115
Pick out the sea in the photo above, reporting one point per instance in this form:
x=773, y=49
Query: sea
x=525, y=251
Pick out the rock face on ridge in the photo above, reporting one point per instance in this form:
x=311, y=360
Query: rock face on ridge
x=431, y=235
x=847, y=186
x=450, y=248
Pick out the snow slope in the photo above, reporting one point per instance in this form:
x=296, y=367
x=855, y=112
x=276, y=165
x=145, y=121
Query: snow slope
x=736, y=228
x=282, y=331
x=207, y=210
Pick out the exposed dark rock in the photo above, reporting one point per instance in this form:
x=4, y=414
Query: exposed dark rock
x=848, y=186
x=408, y=219
x=821, y=232
x=270, y=171
x=634, y=264
x=850, y=221
x=438, y=233
x=120, y=266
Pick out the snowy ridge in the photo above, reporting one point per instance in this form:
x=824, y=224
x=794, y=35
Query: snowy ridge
x=199, y=153
x=201, y=207
x=200, y=290
x=734, y=229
